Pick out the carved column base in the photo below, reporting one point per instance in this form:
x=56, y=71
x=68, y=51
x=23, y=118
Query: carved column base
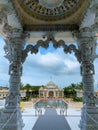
x=89, y=118
x=11, y=119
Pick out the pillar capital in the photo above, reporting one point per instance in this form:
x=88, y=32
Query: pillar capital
x=87, y=45
x=14, y=46
x=94, y=7
x=94, y=4
x=3, y=15
x=11, y=32
x=85, y=32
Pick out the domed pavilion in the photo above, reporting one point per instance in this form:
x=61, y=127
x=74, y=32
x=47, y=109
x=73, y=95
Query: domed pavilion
x=51, y=91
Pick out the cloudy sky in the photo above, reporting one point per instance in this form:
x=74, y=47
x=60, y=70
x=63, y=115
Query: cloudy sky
x=48, y=64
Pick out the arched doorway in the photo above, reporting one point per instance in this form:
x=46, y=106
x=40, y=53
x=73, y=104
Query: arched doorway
x=51, y=94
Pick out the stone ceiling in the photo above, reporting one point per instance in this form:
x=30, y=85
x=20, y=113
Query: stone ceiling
x=50, y=12
x=40, y=17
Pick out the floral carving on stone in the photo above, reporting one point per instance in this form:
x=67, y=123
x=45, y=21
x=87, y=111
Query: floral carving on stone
x=48, y=9
x=51, y=4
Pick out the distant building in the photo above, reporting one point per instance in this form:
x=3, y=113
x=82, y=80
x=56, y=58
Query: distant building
x=4, y=92
x=96, y=94
x=51, y=91
x=79, y=93
x=6, y=88
x=22, y=93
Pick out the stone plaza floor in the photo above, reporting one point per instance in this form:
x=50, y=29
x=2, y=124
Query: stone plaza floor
x=51, y=121
x=72, y=118
x=30, y=117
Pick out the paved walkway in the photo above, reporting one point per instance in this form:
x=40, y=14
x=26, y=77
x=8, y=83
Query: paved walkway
x=51, y=121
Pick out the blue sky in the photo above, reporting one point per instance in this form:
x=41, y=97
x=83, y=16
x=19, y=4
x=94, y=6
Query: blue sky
x=38, y=69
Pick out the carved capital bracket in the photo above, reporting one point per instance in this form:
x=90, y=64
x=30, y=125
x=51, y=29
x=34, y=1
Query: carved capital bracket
x=3, y=15
x=10, y=24
x=94, y=7
x=14, y=52
x=14, y=46
x=12, y=32
x=87, y=50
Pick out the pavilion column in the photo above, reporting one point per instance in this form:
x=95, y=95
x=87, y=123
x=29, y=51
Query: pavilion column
x=58, y=94
x=44, y=94
x=54, y=94
x=12, y=113
x=87, y=45
x=62, y=94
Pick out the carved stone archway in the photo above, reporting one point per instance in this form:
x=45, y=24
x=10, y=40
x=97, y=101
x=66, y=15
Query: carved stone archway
x=18, y=21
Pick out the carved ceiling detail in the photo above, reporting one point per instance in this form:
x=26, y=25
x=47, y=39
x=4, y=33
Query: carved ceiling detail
x=50, y=10
x=51, y=4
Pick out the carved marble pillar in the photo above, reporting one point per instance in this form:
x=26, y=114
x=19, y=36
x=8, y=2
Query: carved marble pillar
x=11, y=118
x=89, y=115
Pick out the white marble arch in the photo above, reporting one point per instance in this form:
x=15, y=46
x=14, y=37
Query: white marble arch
x=13, y=19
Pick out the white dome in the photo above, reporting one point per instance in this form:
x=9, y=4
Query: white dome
x=51, y=84
x=41, y=88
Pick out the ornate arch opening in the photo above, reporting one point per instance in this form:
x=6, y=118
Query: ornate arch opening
x=51, y=94
x=33, y=49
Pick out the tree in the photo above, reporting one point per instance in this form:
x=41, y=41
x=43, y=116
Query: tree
x=70, y=91
x=21, y=86
x=31, y=91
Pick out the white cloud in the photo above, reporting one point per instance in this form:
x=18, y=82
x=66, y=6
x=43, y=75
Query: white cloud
x=58, y=65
